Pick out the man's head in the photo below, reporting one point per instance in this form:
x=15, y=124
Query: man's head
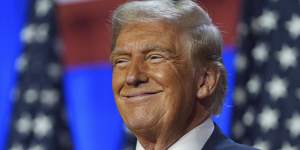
x=167, y=66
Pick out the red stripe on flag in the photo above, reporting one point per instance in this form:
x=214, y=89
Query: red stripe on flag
x=86, y=32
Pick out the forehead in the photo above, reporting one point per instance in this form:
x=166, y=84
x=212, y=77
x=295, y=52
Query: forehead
x=148, y=34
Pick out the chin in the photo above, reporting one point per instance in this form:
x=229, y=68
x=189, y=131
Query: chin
x=140, y=124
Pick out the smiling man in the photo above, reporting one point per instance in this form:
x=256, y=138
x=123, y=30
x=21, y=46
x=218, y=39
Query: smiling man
x=168, y=75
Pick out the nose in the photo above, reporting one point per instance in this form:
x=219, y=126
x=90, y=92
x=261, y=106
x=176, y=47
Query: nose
x=136, y=74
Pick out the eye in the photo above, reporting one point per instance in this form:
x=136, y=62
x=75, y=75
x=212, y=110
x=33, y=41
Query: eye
x=154, y=58
x=120, y=62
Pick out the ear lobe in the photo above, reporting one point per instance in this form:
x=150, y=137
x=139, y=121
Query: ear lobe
x=207, y=82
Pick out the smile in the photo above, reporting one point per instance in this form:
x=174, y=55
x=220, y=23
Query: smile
x=140, y=96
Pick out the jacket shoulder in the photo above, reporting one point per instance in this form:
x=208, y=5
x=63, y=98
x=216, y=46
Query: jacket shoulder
x=228, y=144
x=217, y=141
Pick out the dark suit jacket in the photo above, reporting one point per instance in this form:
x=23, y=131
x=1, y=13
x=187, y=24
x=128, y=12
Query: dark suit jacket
x=217, y=141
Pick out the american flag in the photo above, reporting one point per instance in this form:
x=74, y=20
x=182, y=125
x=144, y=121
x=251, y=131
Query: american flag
x=39, y=120
x=267, y=94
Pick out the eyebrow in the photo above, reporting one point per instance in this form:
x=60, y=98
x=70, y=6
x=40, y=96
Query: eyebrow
x=145, y=49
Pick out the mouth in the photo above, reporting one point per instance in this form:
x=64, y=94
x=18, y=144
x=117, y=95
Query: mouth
x=139, y=96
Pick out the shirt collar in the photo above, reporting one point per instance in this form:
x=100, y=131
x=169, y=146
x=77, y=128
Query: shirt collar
x=194, y=140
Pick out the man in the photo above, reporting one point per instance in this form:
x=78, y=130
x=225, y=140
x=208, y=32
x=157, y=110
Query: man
x=168, y=75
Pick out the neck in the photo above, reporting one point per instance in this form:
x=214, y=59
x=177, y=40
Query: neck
x=160, y=138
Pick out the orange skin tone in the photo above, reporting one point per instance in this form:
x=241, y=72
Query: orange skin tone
x=157, y=89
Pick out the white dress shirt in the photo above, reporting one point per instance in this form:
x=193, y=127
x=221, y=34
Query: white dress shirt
x=193, y=140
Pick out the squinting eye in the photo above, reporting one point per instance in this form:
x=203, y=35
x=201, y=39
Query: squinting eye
x=155, y=58
x=122, y=62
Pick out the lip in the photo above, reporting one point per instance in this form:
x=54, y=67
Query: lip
x=139, y=96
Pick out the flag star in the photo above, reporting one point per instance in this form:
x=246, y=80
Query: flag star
x=239, y=96
x=49, y=97
x=42, y=7
x=35, y=33
x=293, y=26
x=16, y=146
x=42, y=32
x=253, y=85
x=24, y=124
x=28, y=33
x=268, y=119
x=266, y=22
x=21, y=63
x=42, y=125
x=248, y=117
x=260, y=52
x=263, y=145
x=31, y=95
x=293, y=125
x=288, y=146
x=277, y=88
x=287, y=57
x=241, y=62
x=36, y=147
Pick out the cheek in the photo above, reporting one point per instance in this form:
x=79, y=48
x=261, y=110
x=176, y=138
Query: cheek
x=162, y=74
x=177, y=92
x=117, y=80
x=169, y=74
x=169, y=78
x=177, y=82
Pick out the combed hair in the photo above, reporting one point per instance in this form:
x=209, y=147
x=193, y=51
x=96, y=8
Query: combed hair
x=203, y=37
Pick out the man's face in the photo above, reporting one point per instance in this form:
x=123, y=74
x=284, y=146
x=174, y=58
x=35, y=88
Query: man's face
x=153, y=77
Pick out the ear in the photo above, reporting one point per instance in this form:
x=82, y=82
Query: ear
x=207, y=82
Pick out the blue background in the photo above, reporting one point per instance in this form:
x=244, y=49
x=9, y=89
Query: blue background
x=12, y=18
